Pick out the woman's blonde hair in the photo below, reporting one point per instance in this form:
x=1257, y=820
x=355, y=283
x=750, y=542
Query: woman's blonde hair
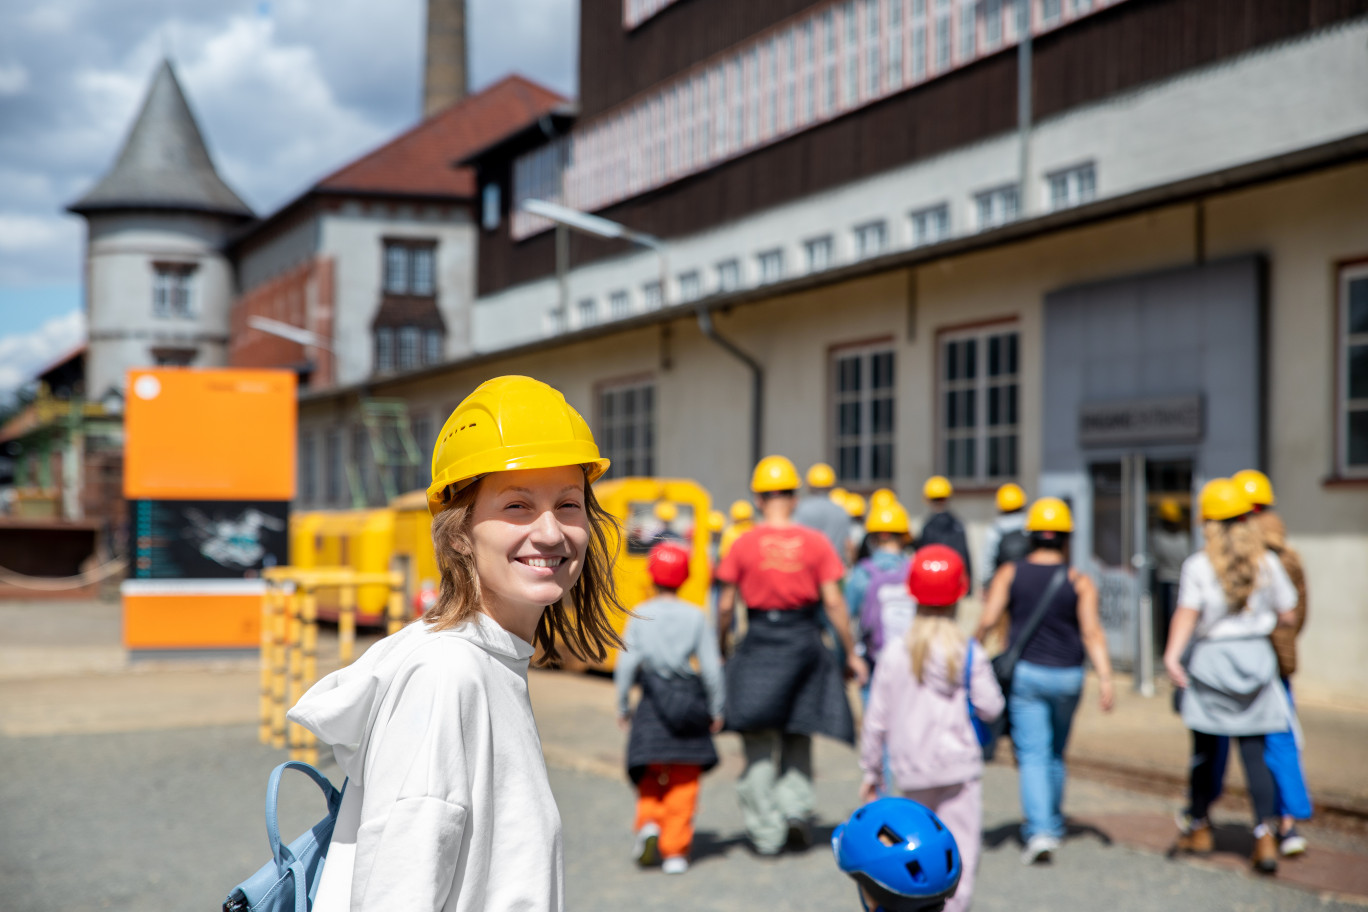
x=939, y=631
x=1270, y=526
x=586, y=629
x=1235, y=549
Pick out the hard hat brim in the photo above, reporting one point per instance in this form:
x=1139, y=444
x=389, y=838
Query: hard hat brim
x=530, y=456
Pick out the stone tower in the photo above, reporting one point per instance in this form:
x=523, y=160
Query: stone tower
x=444, y=72
x=157, y=281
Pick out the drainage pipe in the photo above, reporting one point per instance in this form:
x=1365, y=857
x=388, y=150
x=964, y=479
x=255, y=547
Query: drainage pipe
x=705, y=325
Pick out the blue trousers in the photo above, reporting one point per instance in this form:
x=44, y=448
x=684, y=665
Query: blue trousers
x=1042, y=705
x=1284, y=762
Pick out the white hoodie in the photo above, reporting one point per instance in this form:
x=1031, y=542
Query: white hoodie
x=444, y=810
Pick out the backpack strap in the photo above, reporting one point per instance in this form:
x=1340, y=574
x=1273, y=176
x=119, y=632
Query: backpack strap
x=284, y=858
x=1038, y=615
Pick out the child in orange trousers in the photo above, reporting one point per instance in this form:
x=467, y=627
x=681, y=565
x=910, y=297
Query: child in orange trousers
x=670, y=742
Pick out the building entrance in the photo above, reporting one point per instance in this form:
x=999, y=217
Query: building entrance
x=1141, y=531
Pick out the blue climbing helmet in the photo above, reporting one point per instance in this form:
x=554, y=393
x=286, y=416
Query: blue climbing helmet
x=900, y=853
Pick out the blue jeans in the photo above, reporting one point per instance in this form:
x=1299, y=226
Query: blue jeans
x=1042, y=705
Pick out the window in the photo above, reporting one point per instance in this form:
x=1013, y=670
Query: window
x=967, y=31
x=652, y=296
x=588, y=310
x=818, y=253
x=872, y=71
x=978, y=392
x=410, y=342
x=992, y=22
x=1353, y=384
x=1049, y=11
x=626, y=428
x=771, y=266
x=555, y=320
x=172, y=290
x=409, y=268
x=870, y=239
x=728, y=275
x=895, y=44
x=851, y=82
x=359, y=469
x=490, y=204
x=997, y=206
x=931, y=225
x=384, y=349
x=432, y=347
x=424, y=439
x=173, y=357
x=1072, y=186
x=690, y=287
x=332, y=473
x=619, y=305
x=828, y=61
x=862, y=414
x=307, y=490
x=942, y=60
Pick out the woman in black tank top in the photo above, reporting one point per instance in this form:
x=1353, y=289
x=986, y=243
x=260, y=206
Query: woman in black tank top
x=1048, y=679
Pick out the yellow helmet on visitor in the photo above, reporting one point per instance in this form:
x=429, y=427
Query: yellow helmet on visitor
x=742, y=511
x=1049, y=514
x=506, y=424
x=1256, y=486
x=854, y=505
x=821, y=475
x=887, y=518
x=882, y=498
x=774, y=473
x=1223, y=499
x=665, y=511
x=1010, y=498
x=1170, y=510
x=717, y=521
x=937, y=487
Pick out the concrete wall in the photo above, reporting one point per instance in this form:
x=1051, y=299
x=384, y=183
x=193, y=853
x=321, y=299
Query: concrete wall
x=120, y=251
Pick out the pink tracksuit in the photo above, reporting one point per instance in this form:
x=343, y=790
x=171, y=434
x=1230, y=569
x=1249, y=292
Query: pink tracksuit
x=932, y=750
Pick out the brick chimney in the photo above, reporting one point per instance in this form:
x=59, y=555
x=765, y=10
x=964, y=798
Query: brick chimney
x=444, y=75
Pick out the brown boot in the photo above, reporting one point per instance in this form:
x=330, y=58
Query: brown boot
x=1194, y=837
x=1265, y=858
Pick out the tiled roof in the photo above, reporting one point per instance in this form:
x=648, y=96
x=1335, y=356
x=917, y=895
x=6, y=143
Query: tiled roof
x=419, y=160
x=164, y=163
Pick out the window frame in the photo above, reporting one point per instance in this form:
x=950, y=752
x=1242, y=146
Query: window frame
x=173, y=290
x=996, y=196
x=865, y=438
x=826, y=243
x=862, y=232
x=405, y=251
x=690, y=285
x=981, y=332
x=1348, y=272
x=923, y=216
x=732, y=266
x=771, y=265
x=1071, y=179
x=645, y=433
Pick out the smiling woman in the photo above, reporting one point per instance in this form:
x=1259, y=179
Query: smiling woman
x=442, y=809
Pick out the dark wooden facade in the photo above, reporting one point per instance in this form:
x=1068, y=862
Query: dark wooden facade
x=1119, y=49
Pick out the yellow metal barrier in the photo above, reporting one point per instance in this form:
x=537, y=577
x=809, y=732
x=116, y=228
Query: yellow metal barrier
x=289, y=641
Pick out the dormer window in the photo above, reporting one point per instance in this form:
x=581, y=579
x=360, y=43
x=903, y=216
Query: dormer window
x=409, y=267
x=172, y=290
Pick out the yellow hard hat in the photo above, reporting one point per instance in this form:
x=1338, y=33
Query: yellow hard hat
x=887, y=518
x=774, y=473
x=666, y=511
x=1010, y=498
x=1222, y=498
x=937, y=487
x=821, y=475
x=882, y=498
x=1256, y=486
x=855, y=505
x=716, y=521
x=509, y=423
x=1170, y=510
x=838, y=495
x=741, y=511
x=1049, y=514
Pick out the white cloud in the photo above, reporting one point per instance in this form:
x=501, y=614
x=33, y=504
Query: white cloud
x=24, y=354
x=14, y=78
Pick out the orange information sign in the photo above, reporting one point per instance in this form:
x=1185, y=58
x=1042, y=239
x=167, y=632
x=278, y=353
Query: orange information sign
x=209, y=434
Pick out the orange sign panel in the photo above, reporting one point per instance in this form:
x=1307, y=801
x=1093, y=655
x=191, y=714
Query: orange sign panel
x=209, y=434
x=183, y=616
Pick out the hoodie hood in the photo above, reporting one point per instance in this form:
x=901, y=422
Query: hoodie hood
x=341, y=708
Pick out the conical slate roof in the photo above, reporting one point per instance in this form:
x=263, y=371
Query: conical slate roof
x=164, y=163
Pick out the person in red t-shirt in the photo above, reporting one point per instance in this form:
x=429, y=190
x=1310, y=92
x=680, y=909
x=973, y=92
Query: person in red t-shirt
x=783, y=684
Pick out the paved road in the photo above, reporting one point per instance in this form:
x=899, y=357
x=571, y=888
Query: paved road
x=169, y=819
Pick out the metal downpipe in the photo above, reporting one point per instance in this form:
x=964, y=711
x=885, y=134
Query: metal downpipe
x=705, y=325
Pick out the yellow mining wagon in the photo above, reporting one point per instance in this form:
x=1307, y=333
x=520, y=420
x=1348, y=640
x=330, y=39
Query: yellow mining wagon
x=634, y=503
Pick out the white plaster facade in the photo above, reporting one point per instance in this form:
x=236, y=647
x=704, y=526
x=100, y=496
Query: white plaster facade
x=1288, y=96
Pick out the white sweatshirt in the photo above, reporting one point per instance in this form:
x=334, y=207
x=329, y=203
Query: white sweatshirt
x=444, y=809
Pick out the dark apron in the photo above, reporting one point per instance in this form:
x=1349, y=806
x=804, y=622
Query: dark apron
x=670, y=725
x=782, y=677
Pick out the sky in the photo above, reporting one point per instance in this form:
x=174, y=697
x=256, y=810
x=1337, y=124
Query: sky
x=285, y=92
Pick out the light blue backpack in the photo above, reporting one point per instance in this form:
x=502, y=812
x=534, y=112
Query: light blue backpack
x=288, y=882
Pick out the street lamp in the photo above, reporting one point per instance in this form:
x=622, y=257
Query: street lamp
x=567, y=218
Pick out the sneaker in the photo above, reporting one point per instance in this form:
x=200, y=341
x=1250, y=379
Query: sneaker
x=1265, y=857
x=799, y=834
x=646, y=850
x=1039, y=848
x=1194, y=836
x=675, y=864
x=1292, y=843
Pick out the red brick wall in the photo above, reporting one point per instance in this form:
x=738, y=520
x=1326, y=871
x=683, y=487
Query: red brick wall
x=303, y=297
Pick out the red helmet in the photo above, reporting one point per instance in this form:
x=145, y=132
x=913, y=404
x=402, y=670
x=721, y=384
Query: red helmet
x=937, y=577
x=668, y=565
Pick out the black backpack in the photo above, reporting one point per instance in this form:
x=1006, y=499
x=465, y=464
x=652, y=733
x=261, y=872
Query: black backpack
x=1012, y=547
